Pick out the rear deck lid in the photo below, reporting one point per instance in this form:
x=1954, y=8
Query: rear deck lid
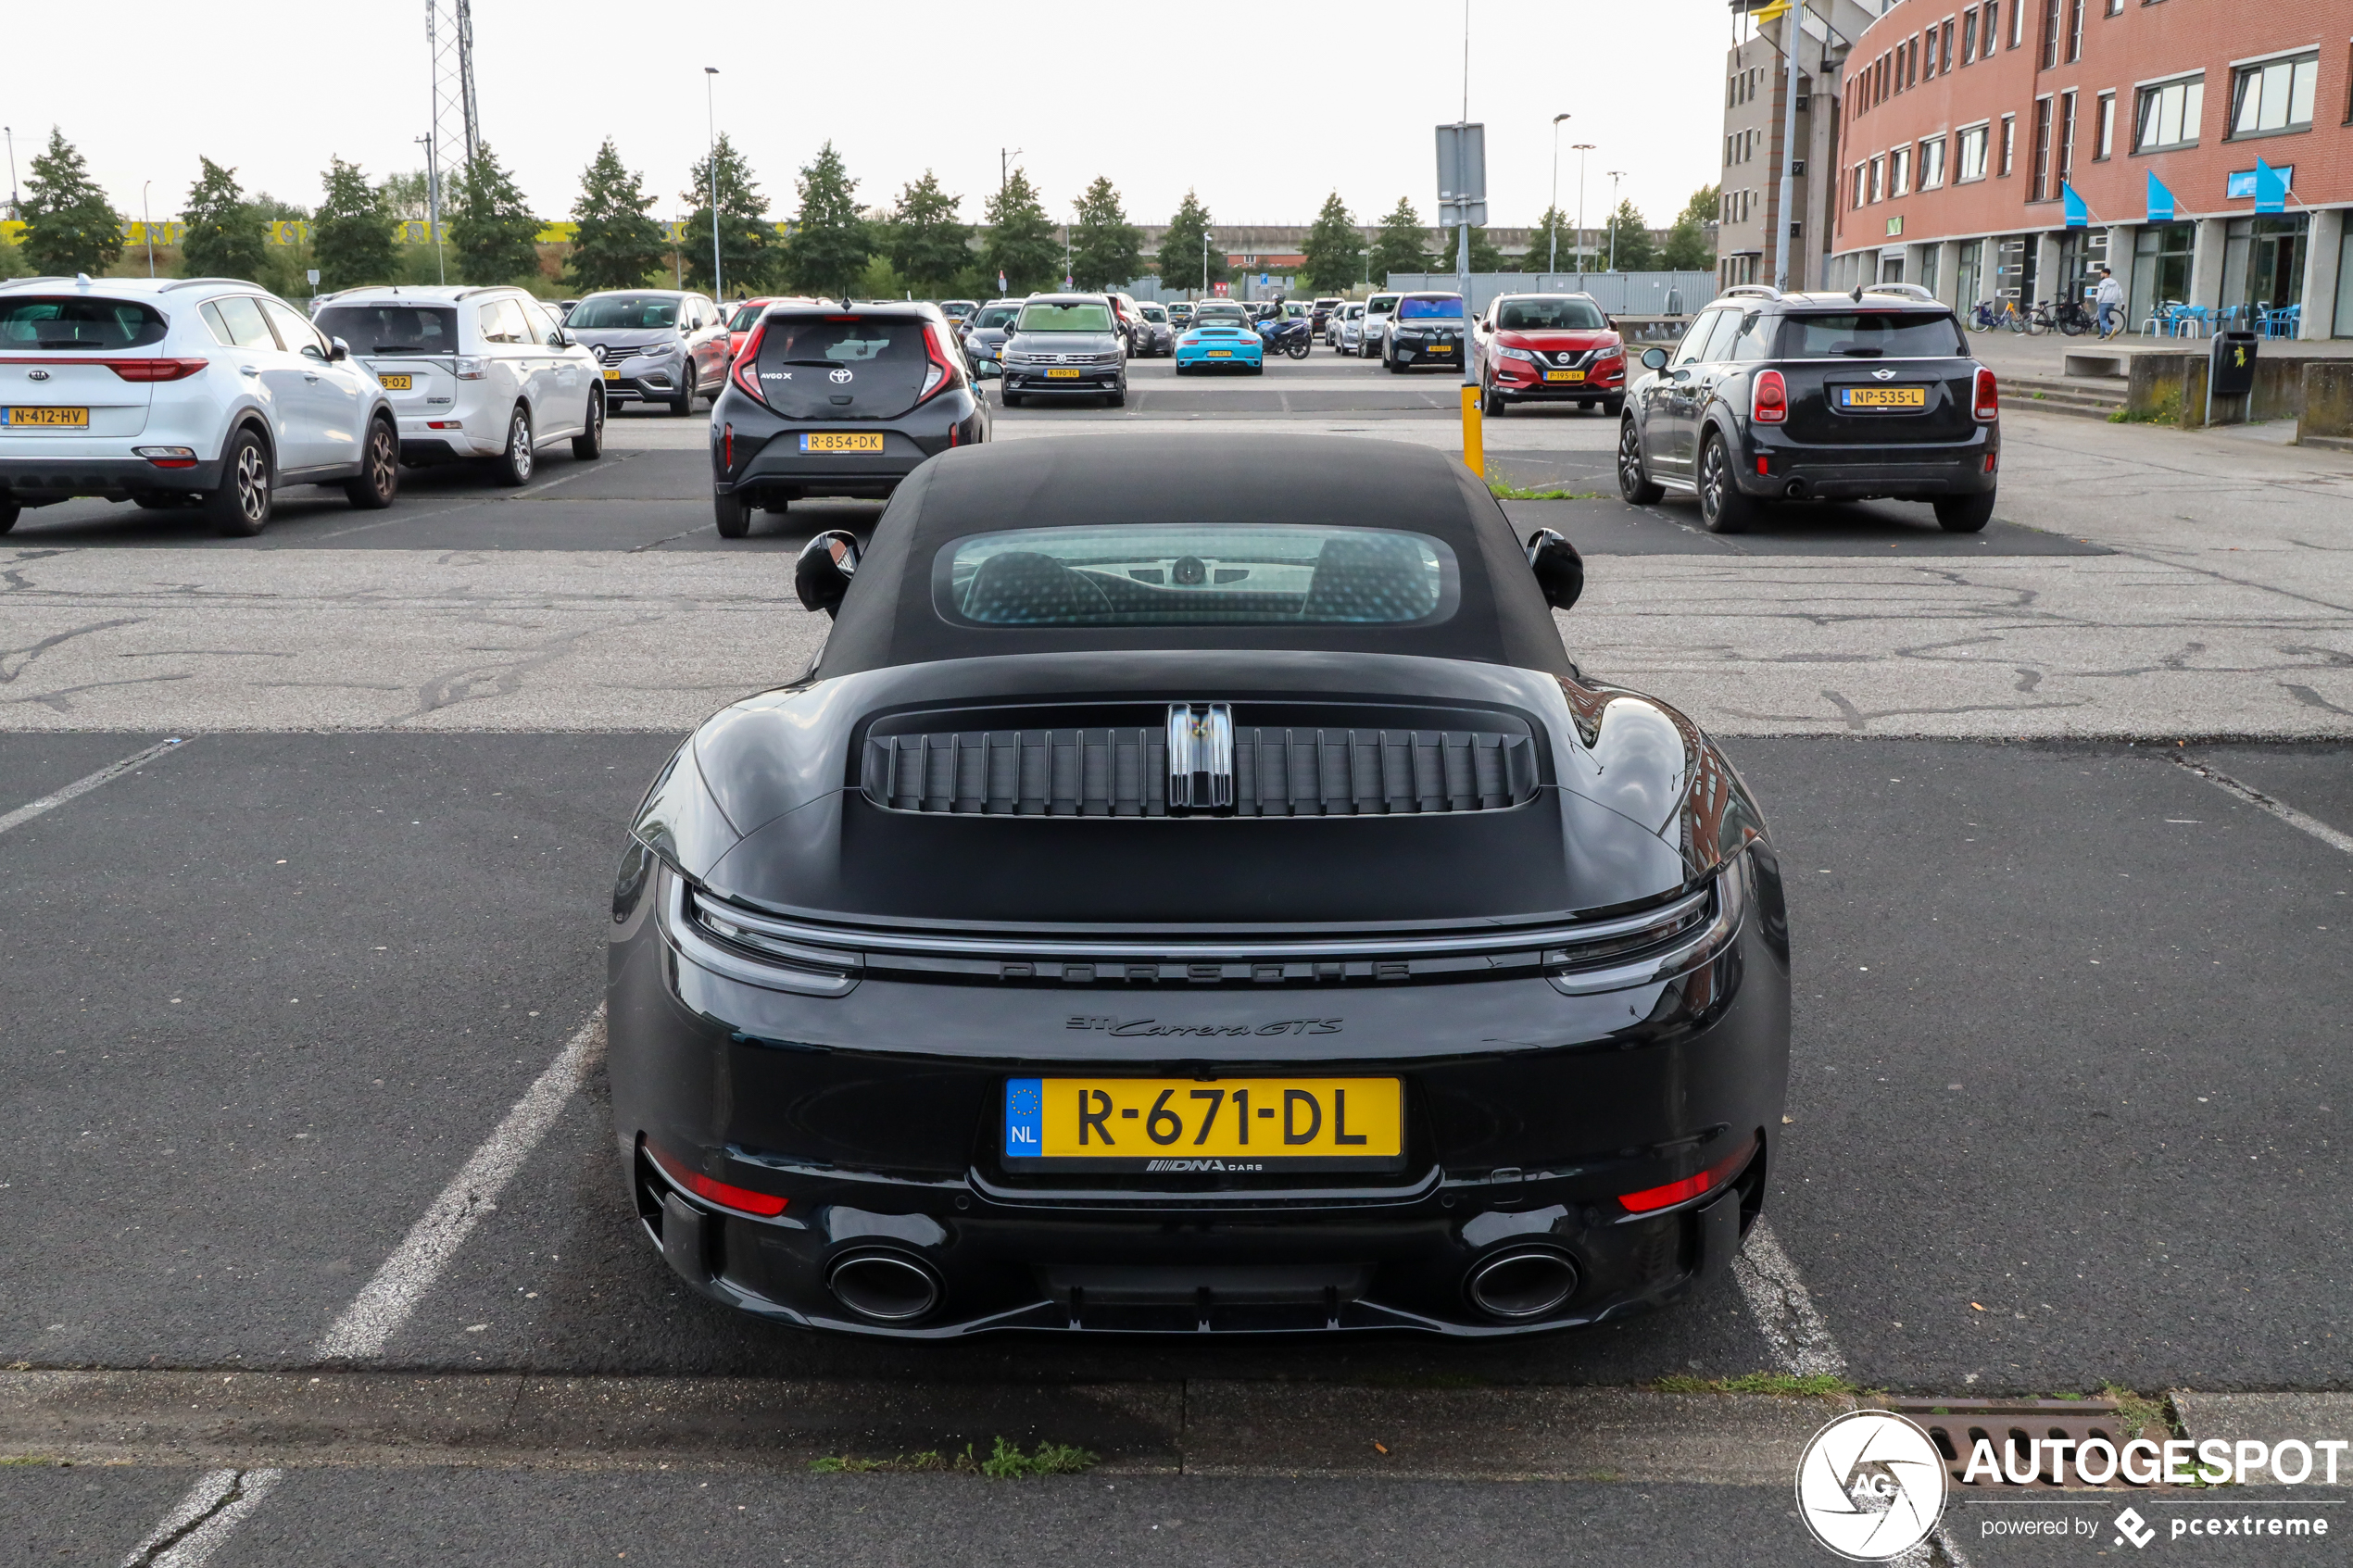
x=843, y=365
x=56, y=376
x=1876, y=377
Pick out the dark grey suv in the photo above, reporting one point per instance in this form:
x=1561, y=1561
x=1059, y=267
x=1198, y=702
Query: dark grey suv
x=1774, y=396
x=1065, y=346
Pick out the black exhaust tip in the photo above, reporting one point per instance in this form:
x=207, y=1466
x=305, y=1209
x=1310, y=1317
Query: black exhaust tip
x=1525, y=1283
x=1796, y=491
x=884, y=1287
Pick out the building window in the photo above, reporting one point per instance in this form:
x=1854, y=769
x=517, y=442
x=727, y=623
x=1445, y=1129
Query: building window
x=1879, y=179
x=2074, y=31
x=2038, y=170
x=1969, y=36
x=2274, y=95
x=2167, y=114
x=2018, y=22
x=2115, y=8
x=1912, y=71
x=1862, y=175
x=2009, y=143
x=1945, y=45
x=1899, y=172
x=1932, y=163
x=2051, y=15
x=2103, y=129
x=2066, y=138
x=1969, y=154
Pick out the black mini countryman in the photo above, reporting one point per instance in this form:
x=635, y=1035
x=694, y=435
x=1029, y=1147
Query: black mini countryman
x=1159, y=915
x=1776, y=397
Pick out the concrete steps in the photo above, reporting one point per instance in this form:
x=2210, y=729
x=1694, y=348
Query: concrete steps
x=2090, y=397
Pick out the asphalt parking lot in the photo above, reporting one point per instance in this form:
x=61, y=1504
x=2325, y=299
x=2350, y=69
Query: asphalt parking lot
x=2069, y=1040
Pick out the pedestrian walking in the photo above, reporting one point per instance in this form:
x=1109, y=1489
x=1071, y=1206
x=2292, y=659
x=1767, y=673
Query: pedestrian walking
x=2107, y=304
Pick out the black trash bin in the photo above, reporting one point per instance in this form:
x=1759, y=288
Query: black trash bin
x=2231, y=373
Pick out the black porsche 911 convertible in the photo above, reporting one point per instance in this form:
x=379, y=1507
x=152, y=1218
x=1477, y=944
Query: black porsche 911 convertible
x=1194, y=890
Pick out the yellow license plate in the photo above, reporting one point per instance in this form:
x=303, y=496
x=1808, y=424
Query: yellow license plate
x=1439, y=348
x=1062, y=375
x=397, y=383
x=1168, y=1124
x=1882, y=397
x=841, y=442
x=1564, y=375
x=1217, y=353
x=71, y=418
x=613, y=375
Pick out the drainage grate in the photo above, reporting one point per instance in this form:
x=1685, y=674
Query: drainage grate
x=2015, y=1427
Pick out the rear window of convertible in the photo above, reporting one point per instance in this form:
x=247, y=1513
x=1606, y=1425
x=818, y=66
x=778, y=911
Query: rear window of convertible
x=1201, y=575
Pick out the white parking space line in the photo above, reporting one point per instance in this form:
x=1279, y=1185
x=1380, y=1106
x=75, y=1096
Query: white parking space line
x=208, y=1516
x=387, y=1301
x=212, y=1509
x=2280, y=809
x=1783, y=1307
x=107, y=774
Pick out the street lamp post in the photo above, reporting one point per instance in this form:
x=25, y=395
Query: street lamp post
x=711, y=133
x=433, y=205
x=1555, y=264
x=149, y=223
x=1615, y=176
x=1205, y=263
x=14, y=210
x=1580, y=149
x=1005, y=157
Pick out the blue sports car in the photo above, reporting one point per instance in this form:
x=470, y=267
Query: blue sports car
x=1221, y=335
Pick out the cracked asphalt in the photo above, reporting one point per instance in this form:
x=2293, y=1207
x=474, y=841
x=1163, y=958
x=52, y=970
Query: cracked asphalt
x=2070, y=1020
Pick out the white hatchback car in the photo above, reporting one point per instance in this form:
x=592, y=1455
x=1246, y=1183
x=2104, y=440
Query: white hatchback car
x=178, y=391
x=472, y=374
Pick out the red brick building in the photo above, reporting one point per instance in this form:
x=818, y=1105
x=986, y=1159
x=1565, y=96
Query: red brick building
x=1961, y=124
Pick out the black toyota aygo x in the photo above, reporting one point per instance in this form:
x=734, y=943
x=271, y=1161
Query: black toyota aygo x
x=1776, y=396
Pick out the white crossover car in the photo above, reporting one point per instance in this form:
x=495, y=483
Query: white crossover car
x=474, y=374
x=181, y=392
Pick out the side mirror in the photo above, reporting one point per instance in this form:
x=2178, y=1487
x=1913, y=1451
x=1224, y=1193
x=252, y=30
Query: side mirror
x=1560, y=571
x=1655, y=358
x=337, y=349
x=988, y=371
x=564, y=339
x=822, y=574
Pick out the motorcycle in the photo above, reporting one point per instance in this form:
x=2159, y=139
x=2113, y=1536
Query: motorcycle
x=1293, y=335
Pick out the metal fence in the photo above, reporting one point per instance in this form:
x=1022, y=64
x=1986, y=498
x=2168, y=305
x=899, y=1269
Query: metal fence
x=1620, y=294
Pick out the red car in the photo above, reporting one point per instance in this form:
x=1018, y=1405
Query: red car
x=1548, y=348
x=743, y=315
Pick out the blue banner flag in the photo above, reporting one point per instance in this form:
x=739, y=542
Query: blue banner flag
x=2271, y=188
x=2078, y=213
x=2160, y=201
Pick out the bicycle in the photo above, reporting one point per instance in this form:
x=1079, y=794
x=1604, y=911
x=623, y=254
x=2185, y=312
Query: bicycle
x=1990, y=314
x=2070, y=318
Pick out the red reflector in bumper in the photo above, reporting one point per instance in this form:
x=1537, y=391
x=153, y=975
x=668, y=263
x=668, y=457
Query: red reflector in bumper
x=767, y=1205
x=1715, y=1175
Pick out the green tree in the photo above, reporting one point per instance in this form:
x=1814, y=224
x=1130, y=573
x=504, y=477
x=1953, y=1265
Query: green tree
x=491, y=228
x=748, y=242
x=1553, y=225
x=1632, y=237
x=1484, y=256
x=1687, y=248
x=409, y=198
x=615, y=243
x=70, y=225
x=1179, y=263
x=833, y=240
x=351, y=236
x=1021, y=242
x=222, y=236
x=1106, y=251
x=928, y=245
x=1401, y=245
x=1335, y=250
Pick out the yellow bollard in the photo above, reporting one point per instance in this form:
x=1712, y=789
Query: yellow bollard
x=1473, y=438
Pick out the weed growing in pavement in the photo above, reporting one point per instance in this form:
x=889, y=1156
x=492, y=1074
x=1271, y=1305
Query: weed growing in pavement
x=1006, y=1463
x=1527, y=492
x=2139, y=1414
x=1820, y=1386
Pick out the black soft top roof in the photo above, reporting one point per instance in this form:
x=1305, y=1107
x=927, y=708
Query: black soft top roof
x=888, y=620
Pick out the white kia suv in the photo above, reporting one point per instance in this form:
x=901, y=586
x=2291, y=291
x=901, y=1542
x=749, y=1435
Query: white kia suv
x=176, y=392
x=472, y=374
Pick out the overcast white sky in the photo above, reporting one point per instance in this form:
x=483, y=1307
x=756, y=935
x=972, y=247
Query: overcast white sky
x=1334, y=96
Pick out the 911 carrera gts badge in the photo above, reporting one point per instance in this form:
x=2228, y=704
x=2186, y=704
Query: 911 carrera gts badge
x=1200, y=757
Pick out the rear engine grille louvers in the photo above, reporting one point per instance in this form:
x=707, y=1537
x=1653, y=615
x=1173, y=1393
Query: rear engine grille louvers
x=1279, y=772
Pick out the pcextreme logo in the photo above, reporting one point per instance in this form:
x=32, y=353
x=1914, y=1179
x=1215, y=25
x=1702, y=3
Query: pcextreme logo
x=1870, y=1485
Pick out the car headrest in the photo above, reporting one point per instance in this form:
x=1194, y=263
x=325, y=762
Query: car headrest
x=1023, y=588
x=1368, y=579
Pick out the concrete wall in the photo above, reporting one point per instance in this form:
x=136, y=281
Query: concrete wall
x=2328, y=400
